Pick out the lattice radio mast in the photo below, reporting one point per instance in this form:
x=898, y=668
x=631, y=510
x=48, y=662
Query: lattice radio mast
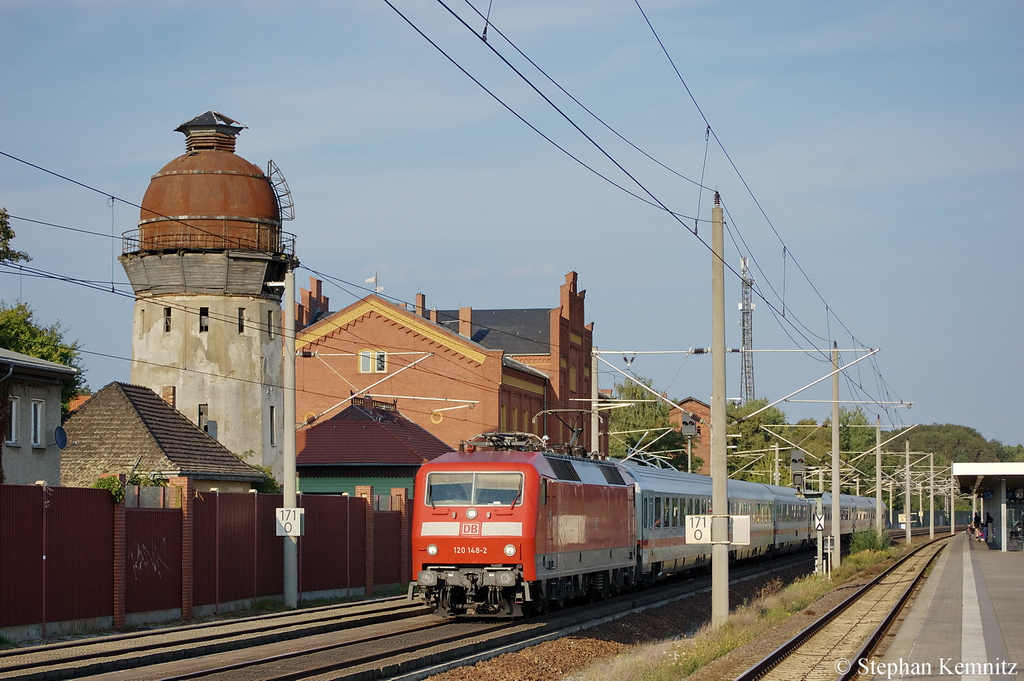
x=747, y=324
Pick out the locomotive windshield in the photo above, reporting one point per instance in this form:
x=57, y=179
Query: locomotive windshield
x=474, y=489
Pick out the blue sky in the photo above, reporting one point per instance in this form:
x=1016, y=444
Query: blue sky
x=882, y=141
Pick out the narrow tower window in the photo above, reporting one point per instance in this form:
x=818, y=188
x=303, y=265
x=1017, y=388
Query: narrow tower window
x=167, y=320
x=204, y=417
x=270, y=324
x=241, y=320
x=273, y=426
x=204, y=319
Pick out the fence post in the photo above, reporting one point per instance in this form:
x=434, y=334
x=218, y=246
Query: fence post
x=366, y=492
x=399, y=496
x=120, y=564
x=120, y=560
x=187, y=542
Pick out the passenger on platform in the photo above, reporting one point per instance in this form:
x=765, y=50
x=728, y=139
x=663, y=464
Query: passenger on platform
x=988, y=524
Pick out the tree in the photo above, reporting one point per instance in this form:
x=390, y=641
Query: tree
x=754, y=441
x=20, y=332
x=645, y=425
x=7, y=254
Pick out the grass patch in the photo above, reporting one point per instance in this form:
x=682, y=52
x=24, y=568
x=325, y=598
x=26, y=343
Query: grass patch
x=869, y=540
x=774, y=603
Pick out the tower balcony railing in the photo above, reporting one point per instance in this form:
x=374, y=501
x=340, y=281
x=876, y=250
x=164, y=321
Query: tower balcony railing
x=170, y=237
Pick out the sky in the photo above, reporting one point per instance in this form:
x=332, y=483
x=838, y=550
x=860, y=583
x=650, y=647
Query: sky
x=869, y=156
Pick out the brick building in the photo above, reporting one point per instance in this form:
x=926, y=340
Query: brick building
x=367, y=443
x=456, y=373
x=701, y=442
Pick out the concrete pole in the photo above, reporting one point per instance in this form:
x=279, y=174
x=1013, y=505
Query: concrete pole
x=878, y=474
x=1003, y=532
x=890, y=503
x=719, y=464
x=595, y=415
x=920, y=504
x=836, y=520
x=931, y=495
x=906, y=493
x=952, y=500
x=776, y=464
x=291, y=544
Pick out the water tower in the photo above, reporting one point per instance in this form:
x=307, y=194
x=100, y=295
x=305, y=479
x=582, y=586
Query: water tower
x=207, y=325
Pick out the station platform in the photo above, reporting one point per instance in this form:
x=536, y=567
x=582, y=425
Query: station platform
x=967, y=621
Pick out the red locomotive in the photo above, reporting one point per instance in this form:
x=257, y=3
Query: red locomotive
x=518, y=527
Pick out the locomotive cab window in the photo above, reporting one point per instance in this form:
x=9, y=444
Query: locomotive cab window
x=474, y=489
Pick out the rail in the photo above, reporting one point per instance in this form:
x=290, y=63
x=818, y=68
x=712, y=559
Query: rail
x=783, y=652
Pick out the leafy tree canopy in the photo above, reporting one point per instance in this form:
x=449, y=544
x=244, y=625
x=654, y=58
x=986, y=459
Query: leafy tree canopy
x=8, y=254
x=645, y=425
x=20, y=332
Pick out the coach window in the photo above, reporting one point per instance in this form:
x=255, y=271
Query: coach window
x=666, y=518
x=644, y=506
x=657, y=511
x=675, y=512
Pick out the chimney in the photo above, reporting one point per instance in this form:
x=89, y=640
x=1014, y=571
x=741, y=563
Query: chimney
x=433, y=315
x=421, y=304
x=210, y=131
x=466, y=322
x=167, y=392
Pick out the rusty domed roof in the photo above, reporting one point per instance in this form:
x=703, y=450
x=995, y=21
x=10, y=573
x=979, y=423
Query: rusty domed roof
x=210, y=198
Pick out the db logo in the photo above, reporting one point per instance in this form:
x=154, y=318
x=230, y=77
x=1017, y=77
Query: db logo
x=470, y=529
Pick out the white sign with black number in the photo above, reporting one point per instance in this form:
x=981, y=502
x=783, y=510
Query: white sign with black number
x=698, y=529
x=291, y=522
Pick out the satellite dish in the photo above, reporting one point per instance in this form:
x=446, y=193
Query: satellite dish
x=62, y=437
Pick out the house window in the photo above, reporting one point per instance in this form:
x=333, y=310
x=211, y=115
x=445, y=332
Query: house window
x=572, y=379
x=37, y=422
x=167, y=320
x=501, y=418
x=373, y=362
x=204, y=417
x=270, y=324
x=204, y=319
x=273, y=426
x=12, y=420
x=241, y=320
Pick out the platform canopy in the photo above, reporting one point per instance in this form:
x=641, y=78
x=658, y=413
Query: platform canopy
x=983, y=479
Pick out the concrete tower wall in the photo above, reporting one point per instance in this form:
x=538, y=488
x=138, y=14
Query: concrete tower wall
x=232, y=367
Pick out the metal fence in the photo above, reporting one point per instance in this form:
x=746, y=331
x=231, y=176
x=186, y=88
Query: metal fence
x=65, y=555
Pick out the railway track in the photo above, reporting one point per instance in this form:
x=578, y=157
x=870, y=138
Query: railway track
x=89, y=657
x=829, y=648
x=375, y=640
x=369, y=640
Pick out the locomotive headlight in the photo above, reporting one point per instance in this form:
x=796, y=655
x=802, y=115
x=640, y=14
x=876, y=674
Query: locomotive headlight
x=470, y=513
x=510, y=550
x=432, y=550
